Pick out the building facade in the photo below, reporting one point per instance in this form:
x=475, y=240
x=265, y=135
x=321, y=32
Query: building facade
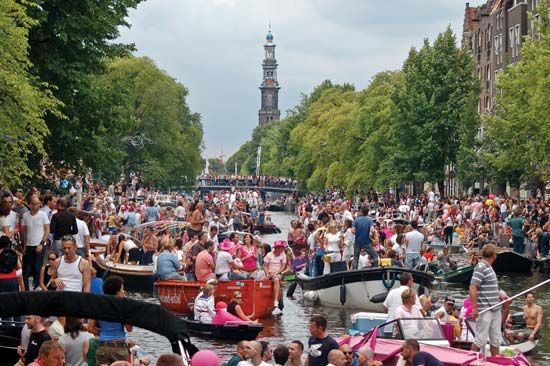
x=494, y=33
x=269, y=88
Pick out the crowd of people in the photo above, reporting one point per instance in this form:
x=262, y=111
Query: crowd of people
x=205, y=180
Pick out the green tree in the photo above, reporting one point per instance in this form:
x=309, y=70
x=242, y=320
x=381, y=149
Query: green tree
x=518, y=132
x=151, y=131
x=436, y=110
x=216, y=166
x=24, y=100
x=70, y=42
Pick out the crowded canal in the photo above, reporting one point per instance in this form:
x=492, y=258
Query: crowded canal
x=293, y=322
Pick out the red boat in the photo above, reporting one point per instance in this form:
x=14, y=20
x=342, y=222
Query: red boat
x=258, y=296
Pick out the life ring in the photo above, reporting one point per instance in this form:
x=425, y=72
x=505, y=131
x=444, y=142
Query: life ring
x=391, y=283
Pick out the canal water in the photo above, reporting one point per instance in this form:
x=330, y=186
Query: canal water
x=293, y=323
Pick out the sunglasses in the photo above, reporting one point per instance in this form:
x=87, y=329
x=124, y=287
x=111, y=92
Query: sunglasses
x=347, y=353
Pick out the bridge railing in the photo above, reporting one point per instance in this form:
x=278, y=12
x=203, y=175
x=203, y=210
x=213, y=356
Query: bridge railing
x=246, y=183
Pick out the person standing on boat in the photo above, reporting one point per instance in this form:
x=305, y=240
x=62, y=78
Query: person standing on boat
x=112, y=335
x=414, y=241
x=152, y=212
x=196, y=219
x=275, y=265
x=150, y=246
x=71, y=272
x=334, y=241
x=363, y=228
x=484, y=293
x=518, y=236
x=320, y=343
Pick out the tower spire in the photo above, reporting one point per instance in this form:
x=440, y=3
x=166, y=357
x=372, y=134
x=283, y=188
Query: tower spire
x=269, y=88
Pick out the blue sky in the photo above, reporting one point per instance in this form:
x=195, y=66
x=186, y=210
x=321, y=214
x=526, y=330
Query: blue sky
x=215, y=48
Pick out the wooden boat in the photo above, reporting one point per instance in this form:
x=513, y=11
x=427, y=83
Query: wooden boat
x=228, y=331
x=510, y=261
x=258, y=296
x=364, y=289
x=137, y=278
x=543, y=265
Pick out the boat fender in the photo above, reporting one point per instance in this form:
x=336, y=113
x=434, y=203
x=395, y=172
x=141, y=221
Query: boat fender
x=388, y=284
x=342, y=294
x=311, y=295
x=379, y=298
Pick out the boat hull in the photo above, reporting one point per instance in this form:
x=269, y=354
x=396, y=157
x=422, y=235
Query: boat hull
x=266, y=229
x=10, y=338
x=512, y=262
x=136, y=278
x=258, y=296
x=460, y=275
x=360, y=289
x=232, y=332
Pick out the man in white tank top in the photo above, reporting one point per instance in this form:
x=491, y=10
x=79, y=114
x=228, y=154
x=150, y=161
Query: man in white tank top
x=71, y=272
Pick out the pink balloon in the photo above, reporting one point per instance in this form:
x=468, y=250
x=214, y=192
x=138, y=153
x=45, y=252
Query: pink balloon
x=205, y=358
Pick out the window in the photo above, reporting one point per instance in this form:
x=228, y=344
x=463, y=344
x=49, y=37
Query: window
x=496, y=46
x=512, y=42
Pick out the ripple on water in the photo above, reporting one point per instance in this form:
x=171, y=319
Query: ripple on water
x=293, y=324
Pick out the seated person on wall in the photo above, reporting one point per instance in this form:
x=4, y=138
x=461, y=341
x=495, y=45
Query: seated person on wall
x=204, y=305
x=532, y=315
x=168, y=265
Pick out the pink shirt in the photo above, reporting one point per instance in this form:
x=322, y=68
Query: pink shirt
x=249, y=257
x=222, y=316
x=202, y=265
x=276, y=263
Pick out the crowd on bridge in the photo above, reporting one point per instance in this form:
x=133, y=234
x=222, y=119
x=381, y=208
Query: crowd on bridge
x=205, y=180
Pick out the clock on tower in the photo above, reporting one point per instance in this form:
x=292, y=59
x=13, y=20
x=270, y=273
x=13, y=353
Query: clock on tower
x=269, y=88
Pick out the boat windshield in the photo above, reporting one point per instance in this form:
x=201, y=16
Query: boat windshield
x=417, y=328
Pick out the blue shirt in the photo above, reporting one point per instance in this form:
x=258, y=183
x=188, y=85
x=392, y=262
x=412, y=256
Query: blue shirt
x=152, y=214
x=111, y=331
x=362, y=225
x=96, y=286
x=167, y=264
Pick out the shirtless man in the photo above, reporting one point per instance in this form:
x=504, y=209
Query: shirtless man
x=197, y=219
x=150, y=246
x=532, y=314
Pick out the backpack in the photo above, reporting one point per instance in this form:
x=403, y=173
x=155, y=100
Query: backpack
x=8, y=261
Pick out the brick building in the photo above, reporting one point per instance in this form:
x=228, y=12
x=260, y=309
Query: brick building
x=494, y=33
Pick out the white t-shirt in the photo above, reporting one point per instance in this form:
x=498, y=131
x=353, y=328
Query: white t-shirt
x=333, y=241
x=248, y=363
x=363, y=261
x=180, y=212
x=82, y=232
x=223, y=262
x=393, y=301
x=35, y=226
x=414, y=241
x=410, y=327
x=10, y=221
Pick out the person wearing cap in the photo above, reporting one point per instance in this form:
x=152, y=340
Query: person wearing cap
x=223, y=316
x=276, y=264
x=226, y=265
x=446, y=310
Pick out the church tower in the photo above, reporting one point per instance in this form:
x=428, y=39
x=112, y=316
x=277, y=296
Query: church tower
x=269, y=110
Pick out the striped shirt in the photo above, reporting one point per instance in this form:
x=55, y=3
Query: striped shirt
x=485, y=279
